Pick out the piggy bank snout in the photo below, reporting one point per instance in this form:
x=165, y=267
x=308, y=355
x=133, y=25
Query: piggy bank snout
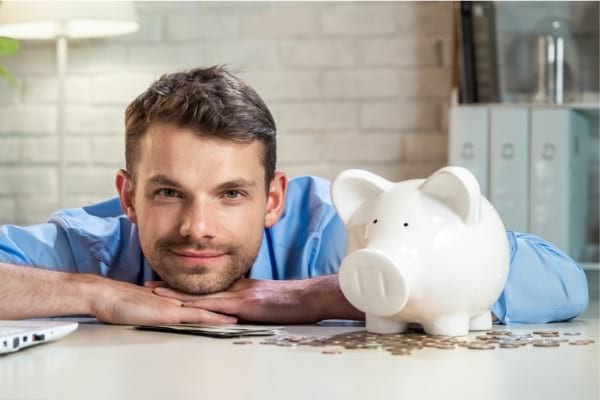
x=372, y=282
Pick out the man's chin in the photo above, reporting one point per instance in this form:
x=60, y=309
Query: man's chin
x=199, y=284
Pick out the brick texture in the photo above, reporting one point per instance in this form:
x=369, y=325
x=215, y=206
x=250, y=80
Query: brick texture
x=350, y=84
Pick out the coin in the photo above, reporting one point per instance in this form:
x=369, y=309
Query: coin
x=550, y=334
x=509, y=346
x=242, y=342
x=481, y=346
x=498, y=333
x=546, y=343
x=581, y=342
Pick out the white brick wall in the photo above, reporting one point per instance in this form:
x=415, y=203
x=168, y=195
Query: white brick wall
x=351, y=85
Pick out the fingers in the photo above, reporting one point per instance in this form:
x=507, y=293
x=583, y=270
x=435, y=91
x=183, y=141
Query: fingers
x=191, y=315
x=175, y=302
x=154, y=284
x=223, y=306
x=170, y=293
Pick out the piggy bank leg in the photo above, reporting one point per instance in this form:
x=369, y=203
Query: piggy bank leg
x=481, y=322
x=448, y=325
x=383, y=325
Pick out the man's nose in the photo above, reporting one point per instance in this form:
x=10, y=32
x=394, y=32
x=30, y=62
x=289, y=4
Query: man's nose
x=199, y=221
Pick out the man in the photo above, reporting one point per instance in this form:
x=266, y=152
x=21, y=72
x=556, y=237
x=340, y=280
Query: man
x=206, y=230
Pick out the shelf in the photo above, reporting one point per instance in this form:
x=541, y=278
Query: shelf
x=590, y=266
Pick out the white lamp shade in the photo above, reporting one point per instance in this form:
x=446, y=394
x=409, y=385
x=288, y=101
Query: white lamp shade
x=76, y=20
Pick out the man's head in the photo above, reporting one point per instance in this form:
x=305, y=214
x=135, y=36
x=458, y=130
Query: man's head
x=210, y=101
x=200, y=181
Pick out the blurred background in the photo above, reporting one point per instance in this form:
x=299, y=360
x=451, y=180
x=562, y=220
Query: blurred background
x=380, y=86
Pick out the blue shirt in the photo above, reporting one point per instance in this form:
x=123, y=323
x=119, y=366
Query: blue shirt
x=543, y=283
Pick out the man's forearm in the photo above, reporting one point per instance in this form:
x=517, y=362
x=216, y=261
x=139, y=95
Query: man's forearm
x=32, y=292
x=324, y=295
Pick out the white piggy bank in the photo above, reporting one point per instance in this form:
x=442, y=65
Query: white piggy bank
x=430, y=251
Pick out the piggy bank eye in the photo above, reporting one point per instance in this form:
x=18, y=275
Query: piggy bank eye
x=375, y=221
x=406, y=224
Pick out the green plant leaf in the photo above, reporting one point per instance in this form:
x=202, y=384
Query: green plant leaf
x=7, y=76
x=8, y=46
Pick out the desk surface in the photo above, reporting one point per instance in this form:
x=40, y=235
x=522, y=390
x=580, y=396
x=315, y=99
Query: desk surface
x=118, y=362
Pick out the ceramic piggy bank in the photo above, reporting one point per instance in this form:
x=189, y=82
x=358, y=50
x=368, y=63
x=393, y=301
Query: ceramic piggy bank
x=430, y=251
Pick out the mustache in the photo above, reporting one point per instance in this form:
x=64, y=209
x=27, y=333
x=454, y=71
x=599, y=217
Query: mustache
x=189, y=244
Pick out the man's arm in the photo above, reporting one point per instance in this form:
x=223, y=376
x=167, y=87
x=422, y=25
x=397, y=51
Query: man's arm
x=32, y=292
x=281, y=302
x=544, y=284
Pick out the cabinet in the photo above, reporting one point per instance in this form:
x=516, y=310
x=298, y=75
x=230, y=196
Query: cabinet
x=532, y=164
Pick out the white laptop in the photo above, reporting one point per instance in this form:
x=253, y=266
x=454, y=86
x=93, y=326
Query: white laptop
x=16, y=335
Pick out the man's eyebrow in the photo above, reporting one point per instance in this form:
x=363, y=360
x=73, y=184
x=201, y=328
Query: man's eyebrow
x=235, y=184
x=162, y=180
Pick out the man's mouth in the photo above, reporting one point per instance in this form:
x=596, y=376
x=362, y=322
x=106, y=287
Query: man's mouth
x=199, y=258
x=201, y=254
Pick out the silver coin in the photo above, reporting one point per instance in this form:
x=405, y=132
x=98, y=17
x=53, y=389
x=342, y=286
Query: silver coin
x=545, y=343
x=509, y=346
x=481, y=346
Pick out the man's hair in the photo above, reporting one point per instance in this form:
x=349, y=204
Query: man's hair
x=210, y=101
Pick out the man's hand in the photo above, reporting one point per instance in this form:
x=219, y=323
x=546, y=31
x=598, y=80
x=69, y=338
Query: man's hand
x=281, y=302
x=123, y=303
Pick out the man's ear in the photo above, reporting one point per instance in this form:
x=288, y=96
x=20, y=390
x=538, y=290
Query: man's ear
x=276, y=199
x=126, y=192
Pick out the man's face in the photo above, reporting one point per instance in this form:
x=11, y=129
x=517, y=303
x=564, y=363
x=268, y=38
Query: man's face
x=200, y=206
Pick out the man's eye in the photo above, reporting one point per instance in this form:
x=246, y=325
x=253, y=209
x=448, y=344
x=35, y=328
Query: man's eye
x=232, y=194
x=168, y=192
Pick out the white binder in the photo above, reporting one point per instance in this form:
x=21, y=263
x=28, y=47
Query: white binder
x=559, y=148
x=509, y=165
x=468, y=141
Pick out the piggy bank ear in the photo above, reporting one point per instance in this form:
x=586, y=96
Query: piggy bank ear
x=352, y=188
x=458, y=189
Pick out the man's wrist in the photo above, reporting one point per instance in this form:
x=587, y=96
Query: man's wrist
x=326, y=300
x=87, y=288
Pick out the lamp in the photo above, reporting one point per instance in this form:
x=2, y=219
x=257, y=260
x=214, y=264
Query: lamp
x=60, y=21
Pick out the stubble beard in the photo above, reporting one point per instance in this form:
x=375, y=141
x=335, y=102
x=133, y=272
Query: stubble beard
x=201, y=280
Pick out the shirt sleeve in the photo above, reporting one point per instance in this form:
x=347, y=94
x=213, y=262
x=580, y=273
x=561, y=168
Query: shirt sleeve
x=43, y=245
x=332, y=248
x=543, y=284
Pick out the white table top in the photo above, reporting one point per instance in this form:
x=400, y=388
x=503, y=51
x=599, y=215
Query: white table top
x=117, y=362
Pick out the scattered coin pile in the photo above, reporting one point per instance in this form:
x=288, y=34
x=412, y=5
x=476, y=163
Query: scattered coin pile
x=405, y=343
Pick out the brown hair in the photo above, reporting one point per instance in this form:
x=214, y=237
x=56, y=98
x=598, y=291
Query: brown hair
x=210, y=101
